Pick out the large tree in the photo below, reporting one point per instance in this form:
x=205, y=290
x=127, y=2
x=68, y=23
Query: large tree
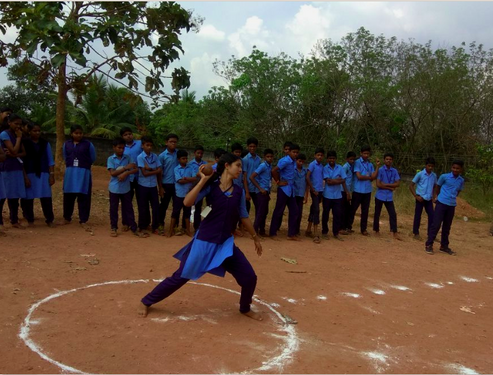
x=71, y=41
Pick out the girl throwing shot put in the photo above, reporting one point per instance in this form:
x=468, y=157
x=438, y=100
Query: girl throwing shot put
x=213, y=249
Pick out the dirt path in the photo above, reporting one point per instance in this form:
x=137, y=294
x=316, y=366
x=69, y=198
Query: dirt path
x=364, y=305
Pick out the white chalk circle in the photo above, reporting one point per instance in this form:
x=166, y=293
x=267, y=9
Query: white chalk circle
x=290, y=346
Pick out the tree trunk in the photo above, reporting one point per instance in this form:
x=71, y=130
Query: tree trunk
x=60, y=121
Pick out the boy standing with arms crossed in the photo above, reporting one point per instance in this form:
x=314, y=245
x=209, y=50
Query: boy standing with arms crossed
x=387, y=181
x=423, y=188
x=365, y=174
x=448, y=188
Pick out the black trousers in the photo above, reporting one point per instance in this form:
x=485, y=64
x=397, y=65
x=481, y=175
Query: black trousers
x=347, y=219
x=418, y=211
x=336, y=206
x=314, y=216
x=392, y=215
x=169, y=193
x=254, y=200
x=443, y=217
x=363, y=200
x=146, y=196
x=83, y=204
x=46, y=205
x=128, y=216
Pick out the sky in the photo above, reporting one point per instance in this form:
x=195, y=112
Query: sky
x=233, y=28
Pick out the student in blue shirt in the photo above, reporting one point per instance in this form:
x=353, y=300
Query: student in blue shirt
x=423, y=189
x=365, y=173
x=184, y=180
x=448, y=188
x=237, y=150
x=149, y=179
x=315, y=182
x=348, y=167
x=250, y=162
x=285, y=151
x=283, y=174
x=3, y=156
x=40, y=175
x=195, y=165
x=301, y=189
x=261, y=179
x=121, y=167
x=218, y=152
x=133, y=148
x=13, y=169
x=168, y=161
x=335, y=178
x=79, y=155
x=387, y=181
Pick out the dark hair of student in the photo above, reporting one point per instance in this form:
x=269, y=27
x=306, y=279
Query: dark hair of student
x=301, y=157
x=76, y=127
x=125, y=130
x=458, y=162
x=147, y=139
x=118, y=141
x=31, y=125
x=287, y=144
x=244, y=153
x=351, y=154
x=13, y=117
x=331, y=153
x=294, y=146
x=366, y=148
x=252, y=140
x=268, y=151
x=430, y=160
x=319, y=150
x=388, y=154
x=171, y=135
x=236, y=146
x=218, y=152
x=227, y=158
x=198, y=148
x=6, y=109
x=181, y=154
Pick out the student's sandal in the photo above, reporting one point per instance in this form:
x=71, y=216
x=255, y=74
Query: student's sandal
x=429, y=250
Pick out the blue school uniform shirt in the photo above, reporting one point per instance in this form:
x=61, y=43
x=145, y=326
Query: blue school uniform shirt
x=133, y=150
x=333, y=191
x=316, y=175
x=449, y=188
x=194, y=165
x=78, y=180
x=424, y=184
x=366, y=169
x=116, y=186
x=12, y=171
x=153, y=162
x=350, y=177
x=287, y=168
x=214, y=167
x=264, y=177
x=239, y=180
x=250, y=163
x=168, y=163
x=386, y=176
x=180, y=172
x=299, y=185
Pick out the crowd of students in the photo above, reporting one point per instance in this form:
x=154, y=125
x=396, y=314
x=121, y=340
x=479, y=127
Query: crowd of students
x=157, y=180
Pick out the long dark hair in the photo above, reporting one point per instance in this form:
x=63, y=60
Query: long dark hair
x=228, y=158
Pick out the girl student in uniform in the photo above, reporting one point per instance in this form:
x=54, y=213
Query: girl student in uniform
x=13, y=167
x=39, y=168
x=79, y=155
x=213, y=249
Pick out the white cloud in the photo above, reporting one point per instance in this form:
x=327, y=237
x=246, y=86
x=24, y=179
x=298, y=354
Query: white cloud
x=202, y=76
x=209, y=32
x=252, y=33
x=308, y=25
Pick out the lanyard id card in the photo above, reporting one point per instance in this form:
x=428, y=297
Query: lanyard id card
x=206, y=211
x=76, y=162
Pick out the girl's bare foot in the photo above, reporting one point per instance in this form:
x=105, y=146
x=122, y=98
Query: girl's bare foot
x=143, y=310
x=18, y=226
x=253, y=315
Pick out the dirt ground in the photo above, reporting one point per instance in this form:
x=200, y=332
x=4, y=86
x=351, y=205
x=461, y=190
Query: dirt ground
x=365, y=305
